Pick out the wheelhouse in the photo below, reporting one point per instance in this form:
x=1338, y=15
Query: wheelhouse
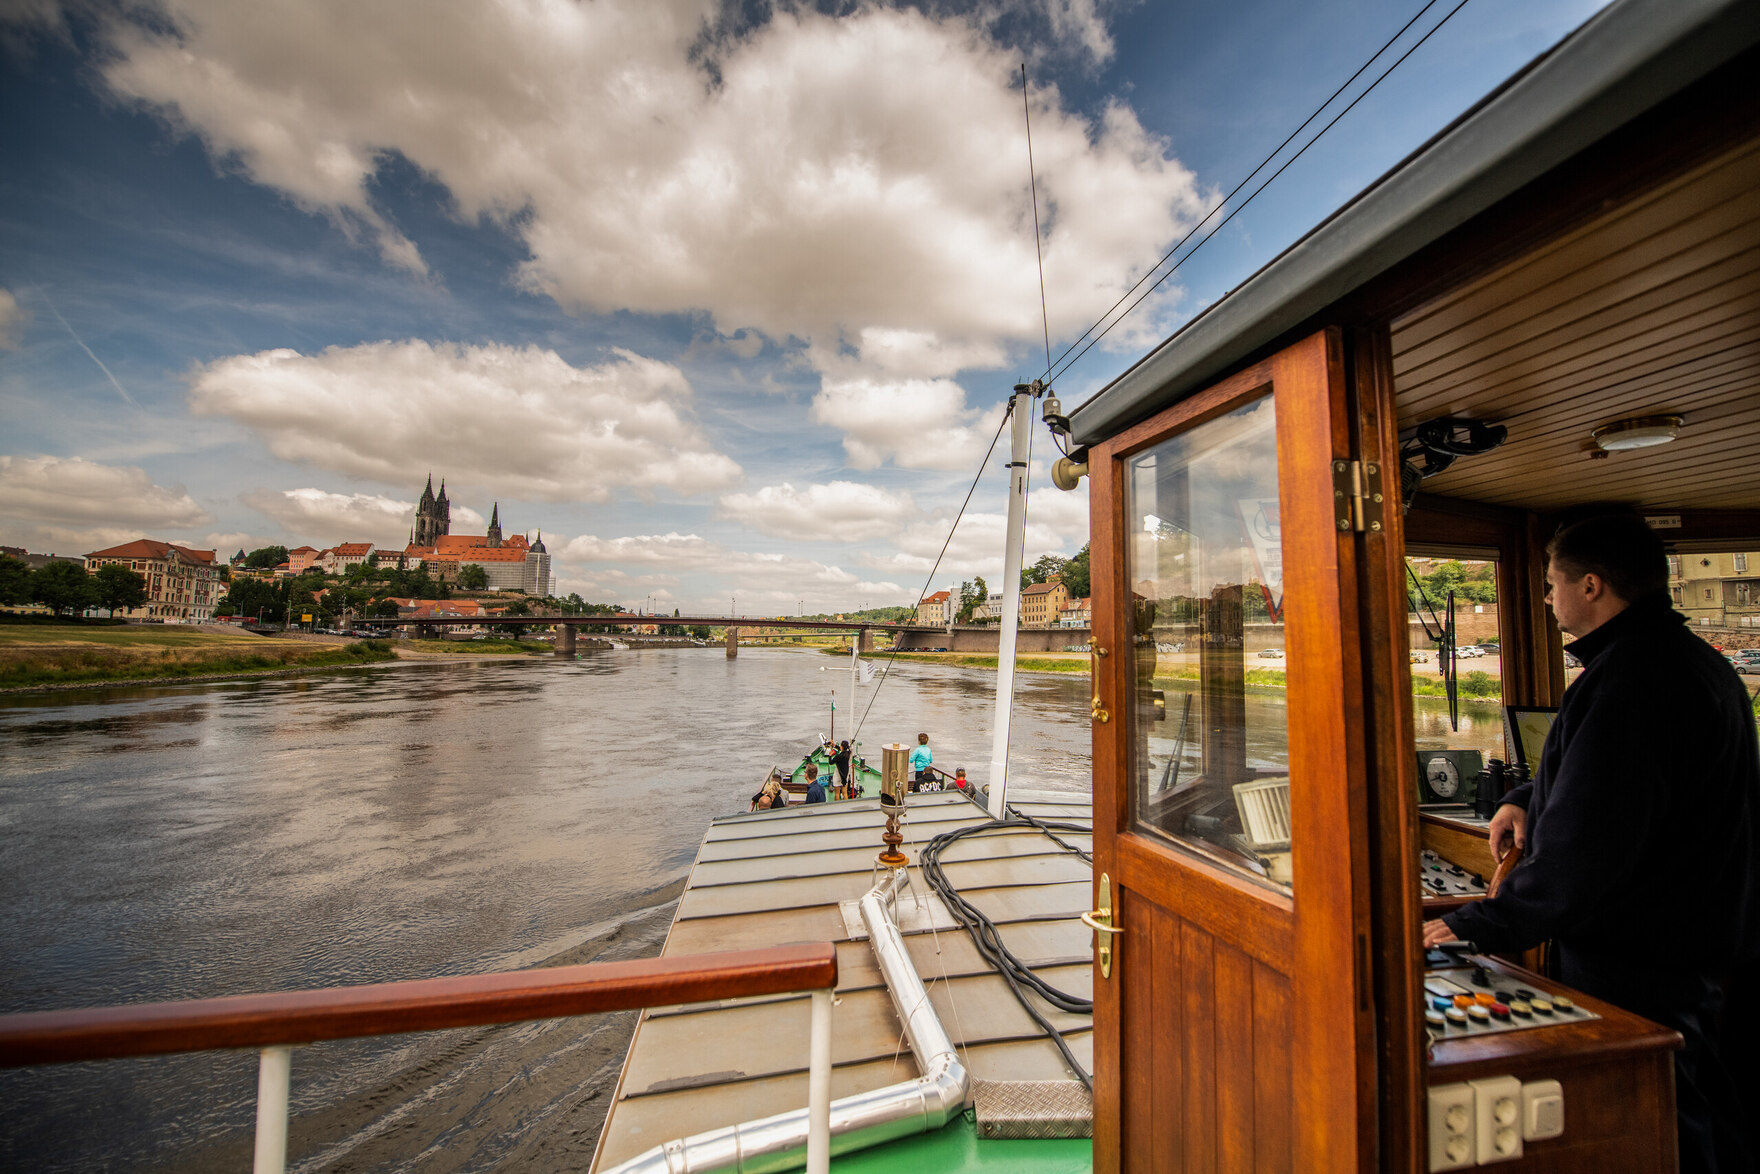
x=1579, y=252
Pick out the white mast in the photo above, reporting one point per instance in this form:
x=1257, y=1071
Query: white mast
x=855, y=668
x=1013, y=555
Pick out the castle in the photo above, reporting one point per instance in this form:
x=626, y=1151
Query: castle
x=511, y=564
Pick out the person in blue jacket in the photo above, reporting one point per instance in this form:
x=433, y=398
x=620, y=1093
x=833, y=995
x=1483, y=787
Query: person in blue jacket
x=1640, y=858
x=815, y=788
x=921, y=757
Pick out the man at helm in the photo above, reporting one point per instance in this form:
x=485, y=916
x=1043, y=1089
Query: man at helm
x=1639, y=829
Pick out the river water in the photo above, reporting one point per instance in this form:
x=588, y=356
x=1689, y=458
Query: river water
x=399, y=822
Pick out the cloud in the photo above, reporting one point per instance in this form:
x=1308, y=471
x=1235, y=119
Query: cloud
x=854, y=183
x=70, y=502
x=12, y=320
x=702, y=575
x=324, y=519
x=842, y=511
x=1057, y=523
x=914, y=423
x=516, y=422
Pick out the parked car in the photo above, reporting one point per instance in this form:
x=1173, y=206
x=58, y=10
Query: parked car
x=1271, y=654
x=1419, y=657
x=1747, y=660
x=1469, y=651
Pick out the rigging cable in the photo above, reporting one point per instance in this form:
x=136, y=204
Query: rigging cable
x=988, y=939
x=1033, y=182
x=1060, y=366
x=1000, y=424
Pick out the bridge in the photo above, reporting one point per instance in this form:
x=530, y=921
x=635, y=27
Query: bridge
x=566, y=625
x=907, y=635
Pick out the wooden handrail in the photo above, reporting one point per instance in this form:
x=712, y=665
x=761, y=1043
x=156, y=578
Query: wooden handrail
x=389, y=1008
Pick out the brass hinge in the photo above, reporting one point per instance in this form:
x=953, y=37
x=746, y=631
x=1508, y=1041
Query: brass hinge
x=1357, y=502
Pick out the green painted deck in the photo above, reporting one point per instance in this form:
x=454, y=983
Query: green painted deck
x=958, y=1147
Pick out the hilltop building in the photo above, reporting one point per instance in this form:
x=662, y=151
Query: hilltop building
x=509, y=564
x=1716, y=590
x=182, y=584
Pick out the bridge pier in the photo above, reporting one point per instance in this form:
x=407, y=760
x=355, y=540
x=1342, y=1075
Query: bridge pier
x=732, y=642
x=867, y=641
x=565, y=641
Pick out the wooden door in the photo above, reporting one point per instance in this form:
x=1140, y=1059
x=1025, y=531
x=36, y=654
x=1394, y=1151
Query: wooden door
x=1235, y=1029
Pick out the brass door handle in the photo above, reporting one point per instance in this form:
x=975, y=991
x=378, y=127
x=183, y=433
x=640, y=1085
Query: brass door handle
x=1089, y=919
x=1098, y=712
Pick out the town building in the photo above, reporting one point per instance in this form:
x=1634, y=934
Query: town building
x=1043, y=603
x=182, y=584
x=1077, y=613
x=1716, y=590
x=936, y=609
x=511, y=564
x=302, y=558
x=339, y=559
x=988, y=612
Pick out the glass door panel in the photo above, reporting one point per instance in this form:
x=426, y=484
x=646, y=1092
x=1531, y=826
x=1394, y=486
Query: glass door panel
x=1204, y=558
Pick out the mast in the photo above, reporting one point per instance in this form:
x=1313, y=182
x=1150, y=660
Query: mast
x=1013, y=555
x=855, y=668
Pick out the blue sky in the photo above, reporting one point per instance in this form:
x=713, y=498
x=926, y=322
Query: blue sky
x=722, y=298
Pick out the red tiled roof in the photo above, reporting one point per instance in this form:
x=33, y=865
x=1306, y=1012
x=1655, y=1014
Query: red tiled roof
x=351, y=549
x=1041, y=588
x=151, y=548
x=299, y=549
x=938, y=597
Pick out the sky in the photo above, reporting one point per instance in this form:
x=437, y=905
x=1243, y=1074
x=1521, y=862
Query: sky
x=723, y=299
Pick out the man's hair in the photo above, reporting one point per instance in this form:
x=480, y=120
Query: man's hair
x=812, y=772
x=1620, y=549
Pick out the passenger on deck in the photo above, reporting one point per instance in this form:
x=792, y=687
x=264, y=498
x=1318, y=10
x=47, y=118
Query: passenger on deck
x=959, y=778
x=815, y=789
x=841, y=761
x=770, y=796
x=1642, y=861
x=921, y=757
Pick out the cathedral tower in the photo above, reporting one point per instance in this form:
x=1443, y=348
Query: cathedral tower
x=493, y=538
x=433, y=516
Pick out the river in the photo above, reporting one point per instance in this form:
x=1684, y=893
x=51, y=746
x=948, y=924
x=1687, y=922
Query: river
x=397, y=822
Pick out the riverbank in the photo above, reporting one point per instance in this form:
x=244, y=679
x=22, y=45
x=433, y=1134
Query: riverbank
x=59, y=657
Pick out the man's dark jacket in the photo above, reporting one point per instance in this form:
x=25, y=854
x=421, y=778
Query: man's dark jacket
x=1641, y=818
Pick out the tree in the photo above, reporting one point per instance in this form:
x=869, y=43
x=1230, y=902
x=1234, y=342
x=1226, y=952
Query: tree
x=472, y=577
x=1075, y=574
x=252, y=597
x=970, y=596
x=516, y=608
x=119, y=588
x=266, y=557
x=64, y=587
x=15, y=580
x=1041, y=571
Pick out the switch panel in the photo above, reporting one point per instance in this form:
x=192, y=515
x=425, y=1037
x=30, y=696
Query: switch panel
x=1452, y=1129
x=1497, y=1119
x=1542, y=1110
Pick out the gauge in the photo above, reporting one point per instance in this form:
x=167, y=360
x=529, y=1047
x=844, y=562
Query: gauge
x=1443, y=776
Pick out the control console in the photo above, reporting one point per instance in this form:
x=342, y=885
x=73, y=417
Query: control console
x=1439, y=878
x=1462, y=998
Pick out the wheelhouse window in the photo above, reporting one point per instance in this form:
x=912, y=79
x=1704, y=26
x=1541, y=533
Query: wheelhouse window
x=1204, y=558
x=1457, y=702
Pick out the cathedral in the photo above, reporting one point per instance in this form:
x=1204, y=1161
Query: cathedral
x=513, y=564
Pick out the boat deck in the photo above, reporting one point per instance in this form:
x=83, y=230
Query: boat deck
x=774, y=877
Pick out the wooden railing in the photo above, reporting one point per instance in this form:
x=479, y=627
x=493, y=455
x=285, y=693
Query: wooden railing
x=277, y=1022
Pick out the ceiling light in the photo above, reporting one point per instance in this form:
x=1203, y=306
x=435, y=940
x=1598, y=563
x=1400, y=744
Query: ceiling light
x=1637, y=432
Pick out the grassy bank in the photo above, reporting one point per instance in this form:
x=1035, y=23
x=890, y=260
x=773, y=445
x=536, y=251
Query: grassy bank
x=1026, y=664
x=478, y=647
x=37, y=657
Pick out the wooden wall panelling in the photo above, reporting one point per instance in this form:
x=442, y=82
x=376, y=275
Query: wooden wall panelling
x=1393, y=840
x=1235, y=1118
x=1168, y=1027
x=1273, y=1150
x=1197, y=991
x=1333, y=1054
x=1134, y=968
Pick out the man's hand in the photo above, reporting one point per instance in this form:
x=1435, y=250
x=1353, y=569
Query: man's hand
x=1436, y=932
x=1509, y=827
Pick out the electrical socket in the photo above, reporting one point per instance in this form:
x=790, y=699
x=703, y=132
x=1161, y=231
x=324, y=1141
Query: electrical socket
x=1452, y=1127
x=1497, y=1119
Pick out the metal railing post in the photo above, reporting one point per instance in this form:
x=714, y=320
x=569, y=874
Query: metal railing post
x=274, y=1074
x=819, y=1086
